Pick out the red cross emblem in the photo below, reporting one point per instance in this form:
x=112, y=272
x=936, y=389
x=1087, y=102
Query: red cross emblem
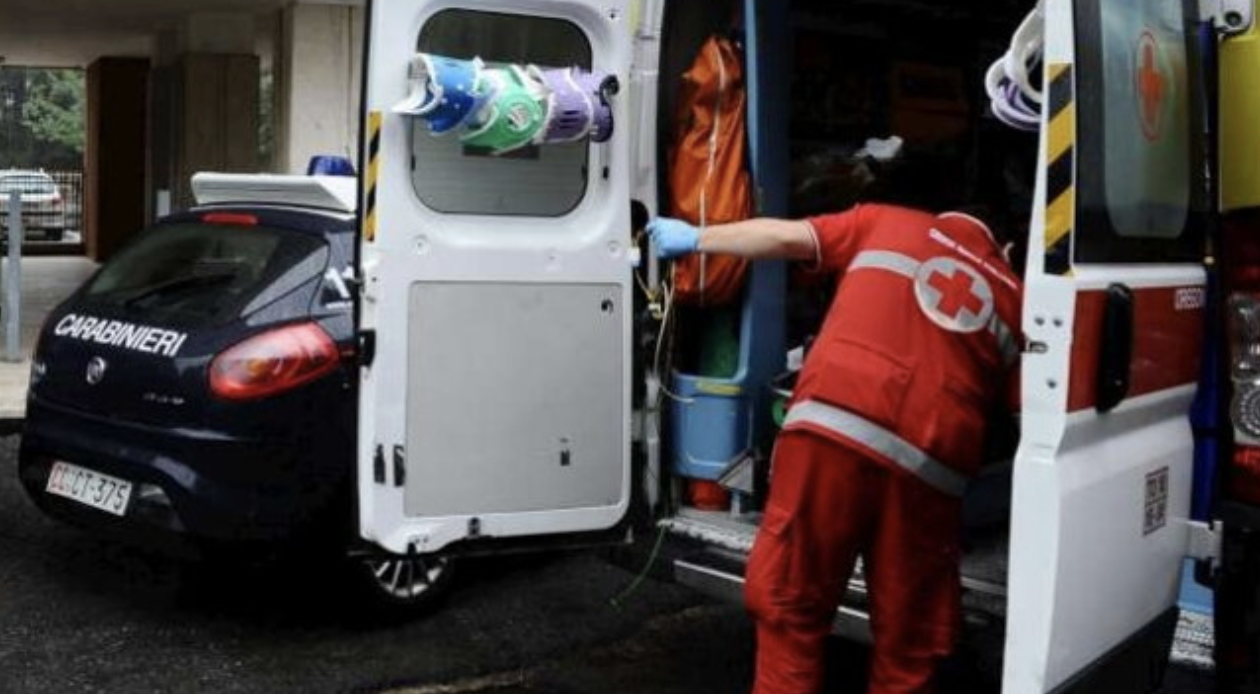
x=953, y=294
x=956, y=293
x=1151, y=85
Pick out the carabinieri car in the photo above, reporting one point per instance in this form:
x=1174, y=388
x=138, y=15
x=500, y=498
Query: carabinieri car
x=197, y=391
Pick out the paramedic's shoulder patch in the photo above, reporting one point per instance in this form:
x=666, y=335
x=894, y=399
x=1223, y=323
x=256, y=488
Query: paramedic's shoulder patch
x=953, y=294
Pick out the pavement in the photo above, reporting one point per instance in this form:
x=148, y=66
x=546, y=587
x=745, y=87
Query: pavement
x=78, y=614
x=46, y=281
x=82, y=615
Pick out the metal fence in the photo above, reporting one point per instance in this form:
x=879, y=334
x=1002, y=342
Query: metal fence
x=52, y=205
x=70, y=184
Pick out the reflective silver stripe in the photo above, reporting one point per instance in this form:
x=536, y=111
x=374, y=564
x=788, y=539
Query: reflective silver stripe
x=1007, y=344
x=886, y=260
x=880, y=440
x=904, y=265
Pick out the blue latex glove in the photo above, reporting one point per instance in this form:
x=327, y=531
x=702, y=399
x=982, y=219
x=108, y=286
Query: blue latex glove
x=673, y=237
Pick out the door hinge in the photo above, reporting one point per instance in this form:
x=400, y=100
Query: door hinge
x=1227, y=16
x=367, y=348
x=378, y=465
x=1203, y=541
x=400, y=466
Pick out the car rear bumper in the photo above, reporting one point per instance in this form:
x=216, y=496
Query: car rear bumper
x=188, y=485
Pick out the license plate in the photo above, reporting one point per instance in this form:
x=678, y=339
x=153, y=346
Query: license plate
x=89, y=487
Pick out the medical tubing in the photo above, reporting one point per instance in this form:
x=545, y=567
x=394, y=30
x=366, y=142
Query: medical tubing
x=617, y=600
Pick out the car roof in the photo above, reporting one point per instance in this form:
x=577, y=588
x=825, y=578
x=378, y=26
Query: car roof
x=338, y=194
x=25, y=172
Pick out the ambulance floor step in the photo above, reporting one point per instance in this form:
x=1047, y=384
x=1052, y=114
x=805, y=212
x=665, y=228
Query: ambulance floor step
x=984, y=562
x=720, y=574
x=1195, y=641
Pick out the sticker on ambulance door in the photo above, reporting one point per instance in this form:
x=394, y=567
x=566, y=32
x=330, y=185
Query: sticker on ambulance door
x=1151, y=86
x=1155, y=514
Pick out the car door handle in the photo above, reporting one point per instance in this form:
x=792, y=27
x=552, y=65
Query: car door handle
x=1115, y=351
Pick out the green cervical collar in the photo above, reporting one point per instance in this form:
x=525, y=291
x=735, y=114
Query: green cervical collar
x=512, y=118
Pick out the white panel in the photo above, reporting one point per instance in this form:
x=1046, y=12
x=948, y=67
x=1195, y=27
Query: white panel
x=588, y=246
x=1085, y=574
x=505, y=412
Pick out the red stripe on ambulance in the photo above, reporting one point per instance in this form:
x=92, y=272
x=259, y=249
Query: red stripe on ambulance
x=1167, y=341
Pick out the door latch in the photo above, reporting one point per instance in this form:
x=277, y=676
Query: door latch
x=1203, y=541
x=1229, y=17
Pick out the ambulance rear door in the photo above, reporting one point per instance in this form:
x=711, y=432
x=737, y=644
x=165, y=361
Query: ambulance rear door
x=495, y=396
x=1114, y=320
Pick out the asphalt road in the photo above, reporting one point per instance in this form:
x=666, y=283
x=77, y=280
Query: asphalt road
x=81, y=615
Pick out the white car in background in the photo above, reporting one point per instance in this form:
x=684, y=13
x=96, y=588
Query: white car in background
x=43, y=211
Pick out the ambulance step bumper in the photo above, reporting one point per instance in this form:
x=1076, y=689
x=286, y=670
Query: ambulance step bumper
x=720, y=575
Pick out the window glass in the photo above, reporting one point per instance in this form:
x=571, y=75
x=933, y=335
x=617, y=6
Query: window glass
x=536, y=181
x=1147, y=117
x=202, y=274
x=1138, y=174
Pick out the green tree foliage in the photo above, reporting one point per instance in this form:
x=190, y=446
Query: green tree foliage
x=54, y=108
x=42, y=119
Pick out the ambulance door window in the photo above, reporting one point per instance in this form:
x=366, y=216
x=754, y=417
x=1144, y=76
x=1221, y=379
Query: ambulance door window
x=1139, y=174
x=451, y=177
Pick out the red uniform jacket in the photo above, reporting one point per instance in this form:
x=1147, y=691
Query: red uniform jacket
x=919, y=342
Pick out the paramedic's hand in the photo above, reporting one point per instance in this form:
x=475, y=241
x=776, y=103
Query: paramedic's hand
x=673, y=237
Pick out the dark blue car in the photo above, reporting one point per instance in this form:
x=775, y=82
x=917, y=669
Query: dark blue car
x=199, y=392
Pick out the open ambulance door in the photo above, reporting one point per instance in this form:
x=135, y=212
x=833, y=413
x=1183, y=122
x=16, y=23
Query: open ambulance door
x=495, y=309
x=1114, y=319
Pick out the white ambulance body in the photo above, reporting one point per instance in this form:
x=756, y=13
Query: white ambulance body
x=502, y=399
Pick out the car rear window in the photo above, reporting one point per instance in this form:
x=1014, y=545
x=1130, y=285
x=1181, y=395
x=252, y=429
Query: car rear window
x=199, y=274
x=27, y=185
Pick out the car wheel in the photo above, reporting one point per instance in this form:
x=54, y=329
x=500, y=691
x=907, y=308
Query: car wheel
x=402, y=585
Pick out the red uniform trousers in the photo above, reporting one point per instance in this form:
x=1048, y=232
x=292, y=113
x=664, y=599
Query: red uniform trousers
x=829, y=504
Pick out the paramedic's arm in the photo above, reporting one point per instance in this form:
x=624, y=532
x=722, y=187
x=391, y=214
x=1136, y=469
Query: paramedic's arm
x=761, y=238
x=752, y=238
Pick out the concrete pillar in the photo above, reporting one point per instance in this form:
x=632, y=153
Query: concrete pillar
x=114, y=204
x=319, y=83
x=205, y=101
x=217, y=99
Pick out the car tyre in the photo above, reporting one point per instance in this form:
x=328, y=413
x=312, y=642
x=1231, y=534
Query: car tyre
x=397, y=586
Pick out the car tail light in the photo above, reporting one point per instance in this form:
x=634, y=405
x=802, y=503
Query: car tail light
x=273, y=362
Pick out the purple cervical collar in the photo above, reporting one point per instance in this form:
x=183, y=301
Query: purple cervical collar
x=570, y=108
x=595, y=85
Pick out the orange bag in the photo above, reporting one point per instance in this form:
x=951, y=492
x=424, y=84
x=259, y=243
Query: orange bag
x=708, y=173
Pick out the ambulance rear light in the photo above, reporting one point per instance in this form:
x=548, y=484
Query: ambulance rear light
x=1243, y=480
x=1244, y=329
x=273, y=362
x=1242, y=483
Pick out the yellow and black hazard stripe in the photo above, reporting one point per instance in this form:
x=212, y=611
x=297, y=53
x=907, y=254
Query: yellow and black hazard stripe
x=1060, y=171
x=373, y=169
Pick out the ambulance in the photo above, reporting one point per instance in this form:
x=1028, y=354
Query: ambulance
x=517, y=389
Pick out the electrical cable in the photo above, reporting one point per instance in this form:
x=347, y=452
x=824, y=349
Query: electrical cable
x=617, y=600
x=657, y=364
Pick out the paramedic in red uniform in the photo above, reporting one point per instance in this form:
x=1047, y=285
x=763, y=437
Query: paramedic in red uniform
x=886, y=425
